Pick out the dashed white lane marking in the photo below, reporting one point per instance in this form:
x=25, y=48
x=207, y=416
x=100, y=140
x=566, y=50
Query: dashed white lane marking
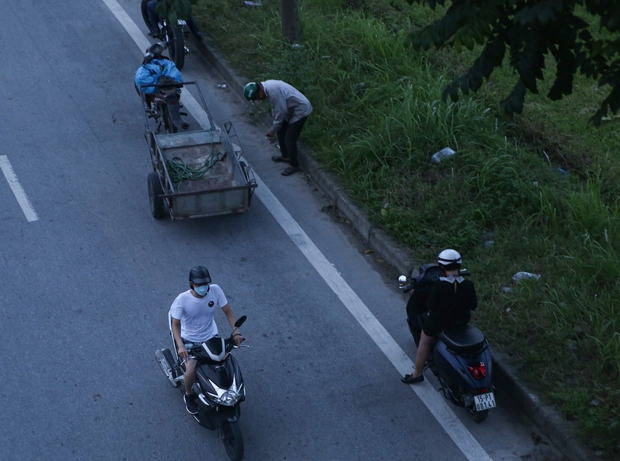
x=466, y=442
x=17, y=189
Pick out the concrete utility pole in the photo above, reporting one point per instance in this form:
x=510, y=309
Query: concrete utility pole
x=291, y=27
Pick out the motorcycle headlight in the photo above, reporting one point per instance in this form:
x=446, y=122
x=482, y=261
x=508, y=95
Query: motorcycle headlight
x=228, y=398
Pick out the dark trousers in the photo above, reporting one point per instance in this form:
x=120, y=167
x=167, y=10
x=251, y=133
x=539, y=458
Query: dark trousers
x=154, y=19
x=287, y=137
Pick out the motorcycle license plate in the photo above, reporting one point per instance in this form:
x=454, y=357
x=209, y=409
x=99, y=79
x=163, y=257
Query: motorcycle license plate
x=484, y=401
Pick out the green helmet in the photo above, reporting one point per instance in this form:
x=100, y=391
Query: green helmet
x=250, y=90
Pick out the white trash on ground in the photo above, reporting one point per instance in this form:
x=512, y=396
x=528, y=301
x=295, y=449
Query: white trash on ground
x=524, y=275
x=443, y=153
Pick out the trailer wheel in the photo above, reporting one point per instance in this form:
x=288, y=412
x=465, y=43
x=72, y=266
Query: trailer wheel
x=155, y=191
x=244, y=168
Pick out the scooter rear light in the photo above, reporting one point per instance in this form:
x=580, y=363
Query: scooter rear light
x=478, y=370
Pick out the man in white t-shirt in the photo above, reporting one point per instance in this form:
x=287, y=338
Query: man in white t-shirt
x=192, y=315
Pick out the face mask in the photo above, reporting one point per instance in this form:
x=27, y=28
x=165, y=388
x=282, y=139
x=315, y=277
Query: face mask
x=201, y=290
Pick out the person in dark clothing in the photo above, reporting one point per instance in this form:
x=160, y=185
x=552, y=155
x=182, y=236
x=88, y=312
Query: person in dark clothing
x=290, y=110
x=450, y=302
x=154, y=19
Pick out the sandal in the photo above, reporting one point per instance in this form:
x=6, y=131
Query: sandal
x=289, y=171
x=279, y=158
x=410, y=379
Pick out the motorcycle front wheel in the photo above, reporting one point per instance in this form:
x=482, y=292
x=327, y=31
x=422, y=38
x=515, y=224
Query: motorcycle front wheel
x=233, y=441
x=177, y=45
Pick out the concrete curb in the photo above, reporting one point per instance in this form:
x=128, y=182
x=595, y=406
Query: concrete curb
x=550, y=423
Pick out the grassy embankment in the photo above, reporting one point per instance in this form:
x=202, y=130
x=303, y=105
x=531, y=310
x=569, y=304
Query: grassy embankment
x=501, y=200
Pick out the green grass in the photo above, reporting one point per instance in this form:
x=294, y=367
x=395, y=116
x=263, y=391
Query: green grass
x=500, y=200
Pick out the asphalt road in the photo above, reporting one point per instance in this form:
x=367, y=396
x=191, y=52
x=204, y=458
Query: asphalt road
x=88, y=277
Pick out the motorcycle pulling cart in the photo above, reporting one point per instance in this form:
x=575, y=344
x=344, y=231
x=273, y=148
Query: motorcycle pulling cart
x=197, y=173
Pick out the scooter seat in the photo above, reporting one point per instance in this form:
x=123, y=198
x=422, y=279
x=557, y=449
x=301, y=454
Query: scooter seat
x=464, y=339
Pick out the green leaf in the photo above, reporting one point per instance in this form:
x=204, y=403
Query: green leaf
x=451, y=91
x=457, y=44
x=468, y=42
x=543, y=14
x=530, y=31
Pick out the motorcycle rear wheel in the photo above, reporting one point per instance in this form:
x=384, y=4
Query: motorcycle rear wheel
x=145, y=14
x=169, y=125
x=478, y=416
x=233, y=441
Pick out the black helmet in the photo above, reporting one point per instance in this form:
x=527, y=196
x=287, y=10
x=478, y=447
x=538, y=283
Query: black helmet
x=154, y=52
x=199, y=275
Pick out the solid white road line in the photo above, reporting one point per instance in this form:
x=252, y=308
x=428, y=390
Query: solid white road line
x=16, y=187
x=468, y=445
x=466, y=442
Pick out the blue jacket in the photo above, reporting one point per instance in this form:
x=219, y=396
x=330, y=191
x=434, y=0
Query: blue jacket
x=147, y=74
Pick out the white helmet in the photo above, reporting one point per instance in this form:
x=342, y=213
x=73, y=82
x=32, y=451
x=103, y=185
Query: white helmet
x=447, y=257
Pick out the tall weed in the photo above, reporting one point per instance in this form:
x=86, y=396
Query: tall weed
x=501, y=199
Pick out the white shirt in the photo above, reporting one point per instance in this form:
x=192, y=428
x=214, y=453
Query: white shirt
x=196, y=314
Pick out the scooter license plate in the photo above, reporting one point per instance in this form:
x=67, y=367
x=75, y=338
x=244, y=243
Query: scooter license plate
x=484, y=401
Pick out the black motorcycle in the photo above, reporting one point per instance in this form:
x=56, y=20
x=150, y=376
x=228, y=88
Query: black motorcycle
x=175, y=35
x=166, y=105
x=219, y=386
x=460, y=358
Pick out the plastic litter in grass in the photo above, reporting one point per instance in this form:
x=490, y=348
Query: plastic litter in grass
x=524, y=275
x=442, y=154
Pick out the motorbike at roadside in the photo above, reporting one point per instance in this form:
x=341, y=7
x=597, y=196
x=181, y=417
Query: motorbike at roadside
x=219, y=386
x=460, y=358
x=158, y=81
x=166, y=105
x=175, y=35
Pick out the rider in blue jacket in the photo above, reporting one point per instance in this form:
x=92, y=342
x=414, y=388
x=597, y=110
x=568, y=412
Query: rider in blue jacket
x=155, y=65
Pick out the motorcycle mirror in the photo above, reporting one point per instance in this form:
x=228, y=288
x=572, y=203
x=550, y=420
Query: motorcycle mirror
x=240, y=321
x=402, y=279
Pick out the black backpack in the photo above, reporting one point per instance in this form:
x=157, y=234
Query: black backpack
x=427, y=276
